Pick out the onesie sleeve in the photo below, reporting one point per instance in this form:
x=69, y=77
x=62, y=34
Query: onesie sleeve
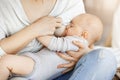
x=65, y=43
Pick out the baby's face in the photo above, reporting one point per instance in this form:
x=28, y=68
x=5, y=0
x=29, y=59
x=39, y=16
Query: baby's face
x=74, y=28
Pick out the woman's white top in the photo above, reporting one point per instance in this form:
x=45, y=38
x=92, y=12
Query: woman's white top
x=13, y=18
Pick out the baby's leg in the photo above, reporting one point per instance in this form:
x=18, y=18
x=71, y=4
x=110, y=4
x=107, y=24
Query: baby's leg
x=15, y=64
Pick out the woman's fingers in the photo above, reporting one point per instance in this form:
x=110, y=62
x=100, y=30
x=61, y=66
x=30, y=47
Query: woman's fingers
x=72, y=62
x=66, y=65
x=77, y=43
x=58, y=19
x=69, y=66
x=73, y=54
x=78, y=54
x=66, y=57
x=67, y=70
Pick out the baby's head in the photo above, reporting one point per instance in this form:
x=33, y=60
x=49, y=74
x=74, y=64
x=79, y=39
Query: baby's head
x=87, y=26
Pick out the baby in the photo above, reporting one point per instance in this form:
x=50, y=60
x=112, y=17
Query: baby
x=82, y=27
x=43, y=65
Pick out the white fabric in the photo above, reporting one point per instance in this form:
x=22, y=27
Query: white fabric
x=2, y=52
x=116, y=29
x=70, y=10
x=115, y=35
x=47, y=60
x=65, y=43
x=2, y=32
x=14, y=18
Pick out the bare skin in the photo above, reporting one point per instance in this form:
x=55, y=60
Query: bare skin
x=31, y=31
x=82, y=26
x=14, y=64
x=36, y=9
x=39, y=25
x=73, y=57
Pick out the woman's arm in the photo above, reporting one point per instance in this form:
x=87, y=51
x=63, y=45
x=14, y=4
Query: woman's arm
x=16, y=42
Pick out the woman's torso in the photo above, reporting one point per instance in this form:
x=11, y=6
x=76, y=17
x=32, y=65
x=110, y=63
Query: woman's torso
x=15, y=19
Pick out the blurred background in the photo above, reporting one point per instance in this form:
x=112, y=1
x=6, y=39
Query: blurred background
x=107, y=10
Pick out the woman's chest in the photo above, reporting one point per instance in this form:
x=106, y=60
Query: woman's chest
x=37, y=9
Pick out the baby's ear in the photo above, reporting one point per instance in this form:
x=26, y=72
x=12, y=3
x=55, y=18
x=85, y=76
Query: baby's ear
x=85, y=34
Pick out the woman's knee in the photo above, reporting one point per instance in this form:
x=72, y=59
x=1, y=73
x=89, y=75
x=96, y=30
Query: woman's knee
x=100, y=62
x=102, y=57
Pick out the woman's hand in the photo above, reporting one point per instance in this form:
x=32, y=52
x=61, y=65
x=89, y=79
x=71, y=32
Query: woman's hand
x=73, y=56
x=47, y=25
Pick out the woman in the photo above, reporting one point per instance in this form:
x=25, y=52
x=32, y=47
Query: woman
x=20, y=24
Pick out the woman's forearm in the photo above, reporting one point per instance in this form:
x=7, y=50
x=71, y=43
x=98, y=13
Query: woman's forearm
x=18, y=41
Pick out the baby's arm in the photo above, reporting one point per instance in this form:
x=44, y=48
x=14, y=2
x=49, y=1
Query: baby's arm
x=61, y=43
x=45, y=40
